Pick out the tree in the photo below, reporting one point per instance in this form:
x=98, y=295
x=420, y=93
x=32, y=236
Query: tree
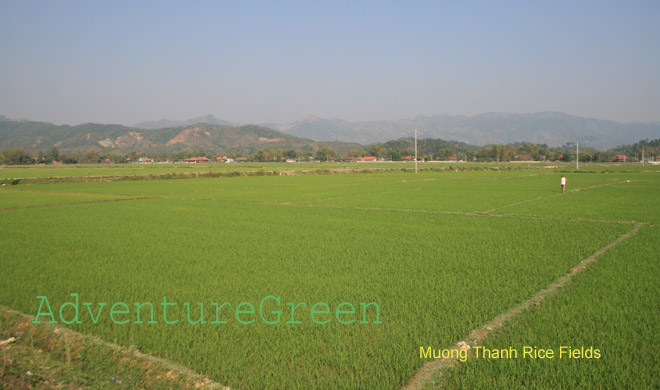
x=17, y=156
x=487, y=153
x=399, y=154
x=508, y=152
x=499, y=152
x=357, y=153
x=325, y=153
x=91, y=157
x=260, y=156
x=133, y=156
x=52, y=155
x=443, y=154
x=378, y=151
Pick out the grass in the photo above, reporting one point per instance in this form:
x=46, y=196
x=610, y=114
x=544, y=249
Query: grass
x=612, y=307
x=435, y=250
x=55, y=357
x=95, y=170
x=20, y=198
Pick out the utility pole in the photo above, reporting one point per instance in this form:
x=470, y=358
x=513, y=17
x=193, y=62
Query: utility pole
x=415, y=151
x=577, y=156
x=643, y=155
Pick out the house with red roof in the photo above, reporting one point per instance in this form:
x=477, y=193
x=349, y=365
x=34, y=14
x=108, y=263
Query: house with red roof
x=197, y=160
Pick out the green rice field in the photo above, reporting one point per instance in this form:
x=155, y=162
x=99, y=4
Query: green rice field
x=423, y=259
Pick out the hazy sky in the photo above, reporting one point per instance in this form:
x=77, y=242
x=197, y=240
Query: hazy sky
x=275, y=61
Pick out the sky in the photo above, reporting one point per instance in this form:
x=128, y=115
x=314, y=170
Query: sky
x=72, y=62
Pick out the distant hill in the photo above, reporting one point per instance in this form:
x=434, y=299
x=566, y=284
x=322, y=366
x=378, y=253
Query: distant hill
x=202, y=136
x=165, y=123
x=211, y=134
x=551, y=128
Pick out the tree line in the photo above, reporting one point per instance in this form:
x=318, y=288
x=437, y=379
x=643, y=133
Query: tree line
x=397, y=150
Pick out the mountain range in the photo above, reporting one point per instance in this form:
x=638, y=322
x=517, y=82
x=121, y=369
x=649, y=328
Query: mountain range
x=201, y=136
x=551, y=128
x=213, y=134
x=165, y=123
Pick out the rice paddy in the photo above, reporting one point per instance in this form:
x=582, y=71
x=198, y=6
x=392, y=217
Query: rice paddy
x=440, y=253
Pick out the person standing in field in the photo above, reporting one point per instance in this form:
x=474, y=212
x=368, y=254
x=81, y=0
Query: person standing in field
x=563, y=183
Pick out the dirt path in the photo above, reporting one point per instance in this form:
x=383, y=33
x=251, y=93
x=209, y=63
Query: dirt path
x=546, y=197
x=446, y=212
x=437, y=367
x=52, y=356
x=365, y=194
x=36, y=206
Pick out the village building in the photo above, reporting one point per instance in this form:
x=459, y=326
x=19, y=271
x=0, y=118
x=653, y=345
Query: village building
x=197, y=160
